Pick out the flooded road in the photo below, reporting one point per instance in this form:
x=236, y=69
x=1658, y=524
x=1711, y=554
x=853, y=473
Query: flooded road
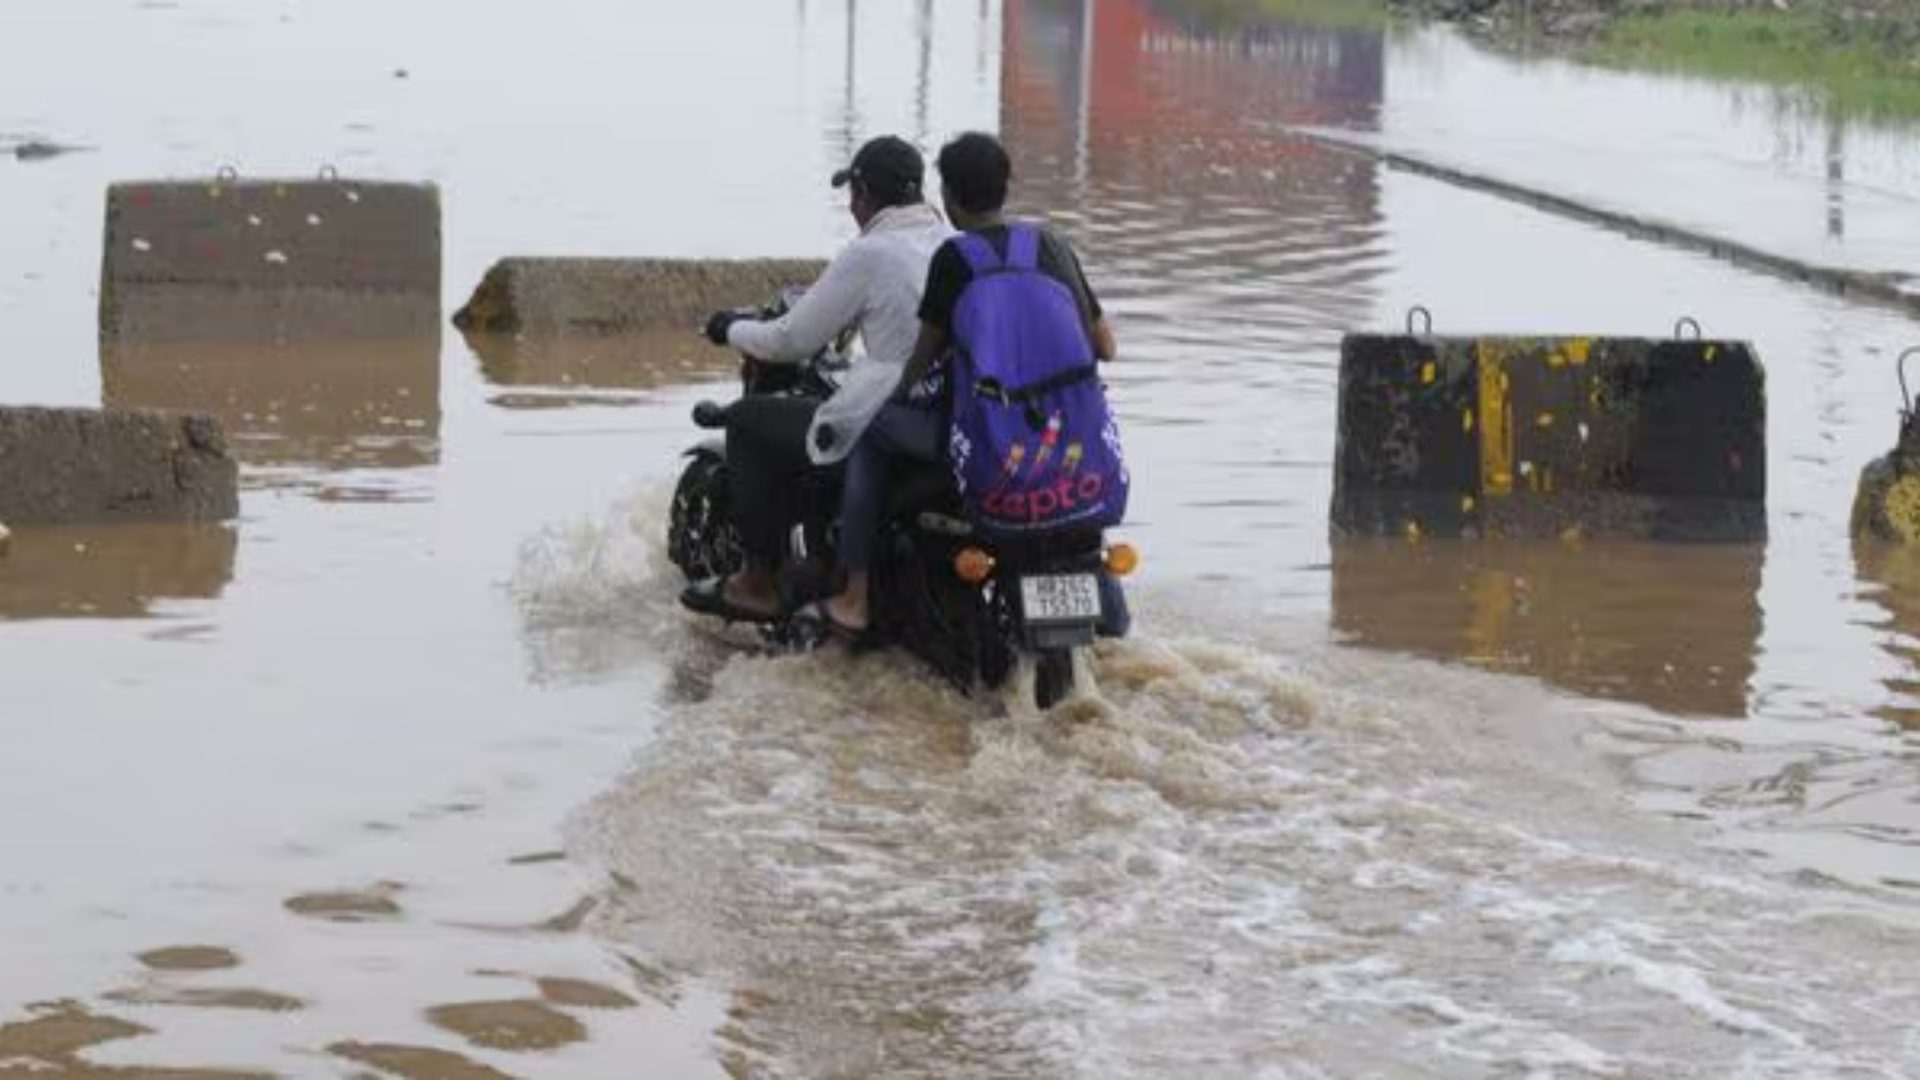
x=417, y=768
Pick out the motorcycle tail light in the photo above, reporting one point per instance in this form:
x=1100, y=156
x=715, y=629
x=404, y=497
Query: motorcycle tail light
x=1122, y=559
x=972, y=565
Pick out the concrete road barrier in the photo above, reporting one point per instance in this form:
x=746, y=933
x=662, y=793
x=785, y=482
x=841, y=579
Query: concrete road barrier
x=1886, y=503
x=92, y=465
x=275, y=234
x=1548, y=436
x=184, y=314
x=557, y=295
x=301, y=316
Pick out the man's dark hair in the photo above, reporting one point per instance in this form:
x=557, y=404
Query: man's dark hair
x=974, y=170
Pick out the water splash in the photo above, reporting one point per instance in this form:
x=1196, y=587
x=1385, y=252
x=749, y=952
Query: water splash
x=1226, y=858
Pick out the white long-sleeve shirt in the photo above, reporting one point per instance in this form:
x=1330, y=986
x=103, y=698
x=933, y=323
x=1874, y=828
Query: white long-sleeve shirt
x=873, y=283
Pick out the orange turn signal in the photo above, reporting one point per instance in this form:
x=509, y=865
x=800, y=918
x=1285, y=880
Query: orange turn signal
x=972, y=565
x=1122, y=559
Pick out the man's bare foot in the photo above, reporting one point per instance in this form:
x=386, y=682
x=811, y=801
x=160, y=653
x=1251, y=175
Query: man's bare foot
x=845, y=612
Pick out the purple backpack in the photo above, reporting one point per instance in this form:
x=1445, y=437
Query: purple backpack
x=1033, y=445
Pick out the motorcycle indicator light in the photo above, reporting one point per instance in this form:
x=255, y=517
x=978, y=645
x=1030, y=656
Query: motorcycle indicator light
x=1122, y=559
x=972, y=565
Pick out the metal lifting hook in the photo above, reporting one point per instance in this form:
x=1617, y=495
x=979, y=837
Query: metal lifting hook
x=1900, y=369
x=1422, y=313
x=1679, y=328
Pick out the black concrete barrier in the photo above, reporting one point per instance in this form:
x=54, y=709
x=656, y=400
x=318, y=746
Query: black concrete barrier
x=1886, y=502
x=1483, y=436
x=231, y=233
x=113, y=465
x=569, y=295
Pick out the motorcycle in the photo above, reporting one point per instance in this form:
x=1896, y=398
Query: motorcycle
x=970, y=608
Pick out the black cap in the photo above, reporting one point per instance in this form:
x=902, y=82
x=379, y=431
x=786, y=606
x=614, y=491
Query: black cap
x=889, y=166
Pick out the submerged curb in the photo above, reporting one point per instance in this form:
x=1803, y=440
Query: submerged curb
x=1877, y=287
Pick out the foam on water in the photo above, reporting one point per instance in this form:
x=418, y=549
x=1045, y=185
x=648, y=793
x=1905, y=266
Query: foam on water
x=1239, y=852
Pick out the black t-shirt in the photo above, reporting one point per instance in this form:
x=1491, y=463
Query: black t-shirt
x=949, y=275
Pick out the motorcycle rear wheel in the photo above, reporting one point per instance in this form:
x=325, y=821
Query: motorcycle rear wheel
x=1052, y=677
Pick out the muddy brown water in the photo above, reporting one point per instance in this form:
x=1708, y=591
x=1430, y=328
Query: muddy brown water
x=1599, y=809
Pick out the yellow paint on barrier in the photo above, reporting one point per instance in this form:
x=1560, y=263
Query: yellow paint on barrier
x=1427, y=373
x=1903, y=508
x=1578, y=351
x=1496, y=422
x=1491, y=622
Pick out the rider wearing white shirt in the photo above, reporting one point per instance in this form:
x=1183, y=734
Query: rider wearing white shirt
x=873, y=283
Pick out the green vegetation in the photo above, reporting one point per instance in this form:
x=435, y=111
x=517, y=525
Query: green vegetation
x=1230, y=15
x=1856, y=56
x=1850, y=55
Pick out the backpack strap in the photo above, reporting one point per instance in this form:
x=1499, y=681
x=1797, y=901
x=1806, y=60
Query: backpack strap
x=1023, y=250
x=1023, y=246
x=978, y=253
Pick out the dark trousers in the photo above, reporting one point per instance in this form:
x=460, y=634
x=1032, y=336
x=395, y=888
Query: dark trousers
x=769, y=471
x=897, y=431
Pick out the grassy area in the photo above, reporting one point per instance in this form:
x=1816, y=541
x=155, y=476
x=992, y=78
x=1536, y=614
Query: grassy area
x=1857, y=56
x=1866, y=65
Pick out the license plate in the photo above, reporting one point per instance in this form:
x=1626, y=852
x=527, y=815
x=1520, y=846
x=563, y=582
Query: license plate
x=1060, y=598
